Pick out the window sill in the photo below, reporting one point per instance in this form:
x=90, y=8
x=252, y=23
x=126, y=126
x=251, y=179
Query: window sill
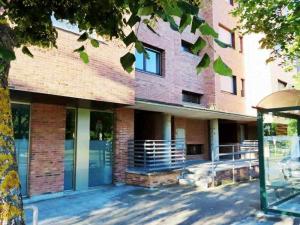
x=228, y=93
x=149, y=73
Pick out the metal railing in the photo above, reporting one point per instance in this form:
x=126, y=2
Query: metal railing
x=35, y=213
x=241, y=155
x=156, y=155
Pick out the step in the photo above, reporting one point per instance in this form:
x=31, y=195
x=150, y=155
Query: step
x=186, y=182
x=192, y=176
x=198, y=171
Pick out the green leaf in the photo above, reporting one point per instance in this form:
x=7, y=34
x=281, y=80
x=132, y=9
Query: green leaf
x=2, y=67
x=172, y=22
x=204, y=63
x=184, y=22
x=150, y=28
x=7, y=54
x=133, y=20
x=95, y=43
x=26, y=51
x=222, y=44
x=127, y=61
x=145, y=11
x=198, y=46
x=188, y=8
x=221, y=68
x=205, y=29
x=84, y=56
x=83, y=37
x=197, y=22
x=129, y=39
x=80, y=49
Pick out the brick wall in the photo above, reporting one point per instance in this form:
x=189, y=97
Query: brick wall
x=196, y=132
x=46, y=161
x=61, y=72
x=124, y=131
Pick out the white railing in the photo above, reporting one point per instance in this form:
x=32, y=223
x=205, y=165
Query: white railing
x=240, y=155
x=35, y=213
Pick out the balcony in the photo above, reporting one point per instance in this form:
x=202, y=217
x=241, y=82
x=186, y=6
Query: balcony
x=156, y=155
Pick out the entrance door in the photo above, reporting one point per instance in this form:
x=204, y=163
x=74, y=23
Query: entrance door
x=69, y=158
x=21, y=121
x=100, y=149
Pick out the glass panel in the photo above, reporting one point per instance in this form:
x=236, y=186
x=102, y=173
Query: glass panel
x=69, y=159
x=225, y=36
x=227, y=84
x=101, y=136
x=139, y=60
x=282, y=160
x=21, y=120
x=151, y=62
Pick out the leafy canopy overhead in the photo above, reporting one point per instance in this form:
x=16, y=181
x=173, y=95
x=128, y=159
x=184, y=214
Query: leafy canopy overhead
x=31, y=23
x=279, y=20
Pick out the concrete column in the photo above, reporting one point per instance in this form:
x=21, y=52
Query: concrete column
x=242, y=132
x=167, y=127
x=82, y=149
x=214, y=138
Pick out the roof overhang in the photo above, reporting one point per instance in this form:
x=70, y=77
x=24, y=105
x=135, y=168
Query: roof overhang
x=189, y=111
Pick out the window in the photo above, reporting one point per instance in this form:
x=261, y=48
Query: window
x=281, y=85
x=226, y=36
x=152, y=64
x=186, y=46
x=191, y=97
x=228, y=84
x=230, y=2
x=243, y=88
x=194, y=149
x=21, y=123
x=241, y=44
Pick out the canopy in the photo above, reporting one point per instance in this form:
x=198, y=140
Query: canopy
x=281, y=99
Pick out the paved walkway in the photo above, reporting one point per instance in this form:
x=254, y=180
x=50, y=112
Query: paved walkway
x=166, y=206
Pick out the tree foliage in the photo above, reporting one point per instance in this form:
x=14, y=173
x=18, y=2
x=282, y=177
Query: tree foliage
x=32, y=24
x=278, y=20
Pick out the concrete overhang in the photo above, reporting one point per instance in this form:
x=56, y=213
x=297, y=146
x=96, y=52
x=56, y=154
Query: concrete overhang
x=189, y=111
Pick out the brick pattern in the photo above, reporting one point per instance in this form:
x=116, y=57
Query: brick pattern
x=61, y=72
x=46, y=160
x=152, y=180
x=196, y=132
x=124, y=131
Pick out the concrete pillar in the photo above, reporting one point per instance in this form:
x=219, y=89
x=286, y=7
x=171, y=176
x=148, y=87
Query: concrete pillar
x=82, y=149
x=242, y=132
x=214, y=138
x=167, y=127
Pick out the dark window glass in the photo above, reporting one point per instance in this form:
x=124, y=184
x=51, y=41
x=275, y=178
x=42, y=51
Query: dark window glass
x=194, y=149
x=191, y=97
x=69, y=158
x=100, y=152
x=186, y=46
x=150, y=64
x=21, y=121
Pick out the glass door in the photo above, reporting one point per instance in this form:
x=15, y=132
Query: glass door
x=69, y=158
x=100, y=152
x=21, y=121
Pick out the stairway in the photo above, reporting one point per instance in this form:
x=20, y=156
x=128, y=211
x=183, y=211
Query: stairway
x=196, y=176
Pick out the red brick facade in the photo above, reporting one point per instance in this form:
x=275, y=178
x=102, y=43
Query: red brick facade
x=46, y=163
x=124, y=131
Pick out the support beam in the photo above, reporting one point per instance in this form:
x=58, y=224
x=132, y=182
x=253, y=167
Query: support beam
x=167, y=127
x=214, y=139
x=82, y=149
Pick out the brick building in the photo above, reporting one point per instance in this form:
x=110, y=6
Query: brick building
x=73, y=122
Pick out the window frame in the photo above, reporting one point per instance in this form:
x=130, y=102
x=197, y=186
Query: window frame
x=191, y=94
x=243, y=93
x=232, y=34
x=234, y=84
x=241, y=39
x=158, y=61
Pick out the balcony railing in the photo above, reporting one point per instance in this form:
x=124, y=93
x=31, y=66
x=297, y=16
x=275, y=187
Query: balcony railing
x=156, y=155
